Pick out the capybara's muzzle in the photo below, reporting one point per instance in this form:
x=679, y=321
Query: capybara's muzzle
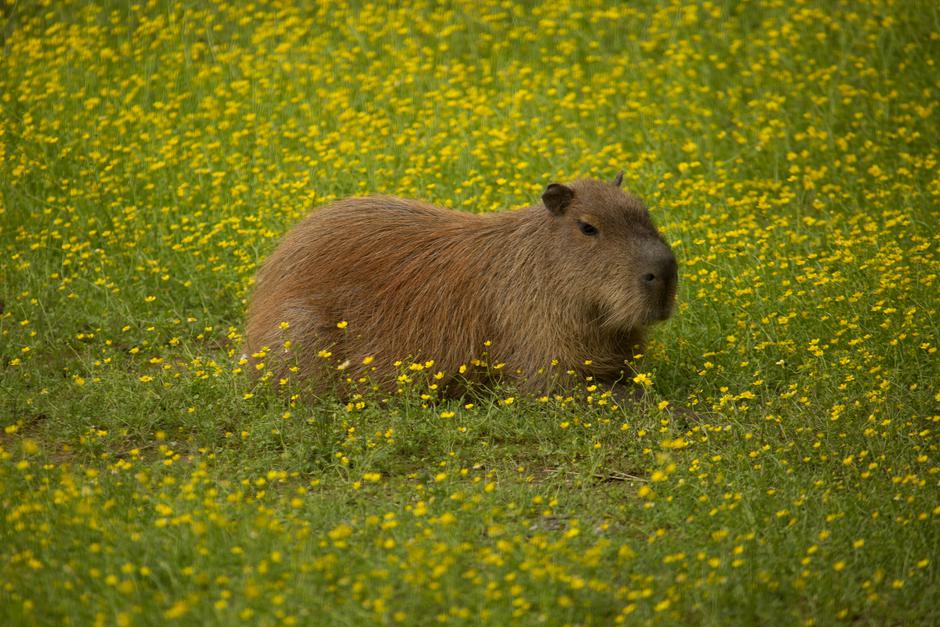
x=659, y=275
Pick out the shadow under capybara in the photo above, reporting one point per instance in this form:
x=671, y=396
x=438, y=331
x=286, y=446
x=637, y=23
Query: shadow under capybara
x=573, y=281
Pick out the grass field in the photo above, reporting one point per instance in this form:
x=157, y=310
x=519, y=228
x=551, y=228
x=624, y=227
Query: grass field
x=152, y=154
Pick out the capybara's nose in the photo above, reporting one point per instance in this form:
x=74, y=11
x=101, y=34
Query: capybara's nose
x=660, y=270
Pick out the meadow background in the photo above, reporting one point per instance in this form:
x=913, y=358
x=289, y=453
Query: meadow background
x=152, y=153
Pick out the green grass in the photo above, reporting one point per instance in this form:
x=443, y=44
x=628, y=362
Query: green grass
x=151, y=155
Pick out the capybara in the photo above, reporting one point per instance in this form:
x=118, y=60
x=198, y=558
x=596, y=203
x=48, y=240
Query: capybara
x=564, y=288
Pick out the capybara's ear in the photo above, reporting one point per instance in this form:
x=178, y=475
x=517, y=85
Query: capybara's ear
x=557, y=197
x=618, y=179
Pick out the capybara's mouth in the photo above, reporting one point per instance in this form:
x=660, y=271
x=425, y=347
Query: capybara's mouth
x=662, y=311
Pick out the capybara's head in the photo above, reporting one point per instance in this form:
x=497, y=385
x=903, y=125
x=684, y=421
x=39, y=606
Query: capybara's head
x=605, y=241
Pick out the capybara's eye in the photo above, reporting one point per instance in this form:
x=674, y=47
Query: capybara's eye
x=587, y=229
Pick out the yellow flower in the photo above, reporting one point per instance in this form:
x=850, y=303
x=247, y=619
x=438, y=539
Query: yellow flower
x=643, y=379
x=180, y=608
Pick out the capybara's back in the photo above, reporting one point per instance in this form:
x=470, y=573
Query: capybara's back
x=365, y=283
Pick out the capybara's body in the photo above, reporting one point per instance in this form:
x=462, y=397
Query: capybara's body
x=573, y=281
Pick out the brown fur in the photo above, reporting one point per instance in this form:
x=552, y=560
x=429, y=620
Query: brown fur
x=417, y=281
